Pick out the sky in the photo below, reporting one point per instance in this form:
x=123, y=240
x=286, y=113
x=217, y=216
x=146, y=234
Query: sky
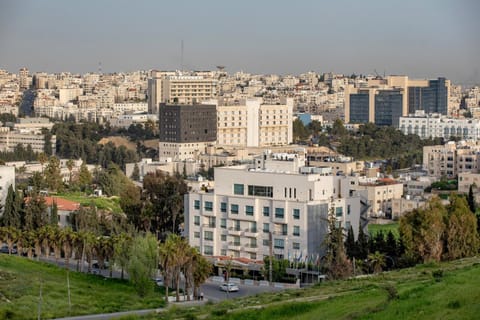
x=418, y=38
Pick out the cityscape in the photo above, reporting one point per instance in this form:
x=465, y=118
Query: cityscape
x=178, y=161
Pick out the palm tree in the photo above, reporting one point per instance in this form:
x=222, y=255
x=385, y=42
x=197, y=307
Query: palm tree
x=167, y=254
x=10, y=236
x=121, y=251
x=181, y=259
x=70, y=165
x=67, y=242
x=202, y=269
x=54, y=239
x=377, y=261
x=30, y=238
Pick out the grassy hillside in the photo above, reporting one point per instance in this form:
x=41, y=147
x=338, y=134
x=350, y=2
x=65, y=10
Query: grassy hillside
x=21, y=279
x=434, y=291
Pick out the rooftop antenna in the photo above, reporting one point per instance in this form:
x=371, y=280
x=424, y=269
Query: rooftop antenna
x=181, y=57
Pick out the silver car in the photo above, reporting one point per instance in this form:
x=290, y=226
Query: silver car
x=230, y=287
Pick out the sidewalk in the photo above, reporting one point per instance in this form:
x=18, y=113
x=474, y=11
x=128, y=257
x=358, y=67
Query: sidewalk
x=115, y=315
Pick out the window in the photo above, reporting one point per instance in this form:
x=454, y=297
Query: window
x=208, y=235
x=196, y=204
x=284, y=230
x=249, y=210
x=266, y=211
x=348, y=225
x=279, y=244
x=236, y=224
x=196, y=220
x=348, y=209
x=253, y=256
x=223, y=223
x=296, y=245
x=279, y=213
x=296, y=214
x=253, y=227
x=266, y=243
x=234, y=208
x=211, y=222
x=223, y=207
x=208, y=250
x=223, y=237
x=266, y=227
x=296, y=231
x=208, y=206
x=196, y=234
x=236, y=241
x=260, y=191
x=223, y=252
x=339, y=211
x=238, y=189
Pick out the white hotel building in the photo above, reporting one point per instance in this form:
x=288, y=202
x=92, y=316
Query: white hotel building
x=275, y=197
x=439, y=126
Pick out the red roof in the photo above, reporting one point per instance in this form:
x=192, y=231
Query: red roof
x=62, y=204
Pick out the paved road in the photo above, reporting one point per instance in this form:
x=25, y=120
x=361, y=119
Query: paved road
x=212, y=292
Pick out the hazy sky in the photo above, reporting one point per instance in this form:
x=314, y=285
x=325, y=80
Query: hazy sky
x=419, y=38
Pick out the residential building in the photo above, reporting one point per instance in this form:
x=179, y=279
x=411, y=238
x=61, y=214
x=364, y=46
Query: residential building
x=277, y=203
x=452, y=158
x=438, y=126
x=186, y=130
x=10, y=139
x=467, y=179
x=380, y=194
x=253, y=123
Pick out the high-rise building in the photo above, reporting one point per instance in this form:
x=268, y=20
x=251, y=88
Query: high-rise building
x=25, y=79
x=186, y=130
x=431, y=99
x=168, y=87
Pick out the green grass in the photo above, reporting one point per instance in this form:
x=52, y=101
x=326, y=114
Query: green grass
x=21, y=279
x=385, y=228
x=432, y=291
x=111, y=204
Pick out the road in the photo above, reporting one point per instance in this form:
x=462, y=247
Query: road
x=212, y=292
x=26, y=106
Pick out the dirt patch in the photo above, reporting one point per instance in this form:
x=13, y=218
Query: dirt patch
x=119, y=141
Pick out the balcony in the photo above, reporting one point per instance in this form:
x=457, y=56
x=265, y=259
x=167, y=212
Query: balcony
x=235, y=231
x=251, y=232
x=235, y=246
x=209, y=225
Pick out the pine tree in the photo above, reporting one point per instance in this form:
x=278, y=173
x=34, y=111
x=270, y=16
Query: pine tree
x=54, y=214
x=135, y=173
x=471, y=200
x=350, y=245
x=11, y=214
x=362, y=244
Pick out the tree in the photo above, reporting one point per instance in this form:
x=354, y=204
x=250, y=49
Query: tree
x=471, y=200
x=461, y=232
x=350, y=245
x=67, y=240
x=337, y=264
x=300, y=133
x=362, y=244
x=135, y=173
x=84, y=177
x=167, y=257
x=53, y=176
x=42, y=158
x=143, y=263
x=54, y=214
x=121, y=251
x=421, y=231
x=202, y=269
x=70, y=165
x=35, y=212
x=376, y=261
x=11, y=215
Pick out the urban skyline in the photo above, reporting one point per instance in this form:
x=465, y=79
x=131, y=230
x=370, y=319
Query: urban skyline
x=422, y=40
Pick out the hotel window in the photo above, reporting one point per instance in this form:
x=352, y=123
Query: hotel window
x=223, y=237
x=279, y=213
x=279, y=244
x=296, y=214
x=266, y=227
x=238, y=189
x=196, y=234
x=223, y=223
x=208, y=235
x=296, y=246
x=249, y=210
x=296, y=230
x=234, y=208
x=339, y=211
x=196, y=204
x=196, y=220
x=208, y=250
x=208, y=206
x=223, y=207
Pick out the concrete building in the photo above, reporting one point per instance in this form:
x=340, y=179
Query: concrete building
x=7, y=179
x=381, y=193
x=25, y=79
x=438, y=126
x=467, y=179
x=403, y=205
x=186, y=130
x=275, y=204
x=173, y=87
x=452, y=158
x=10, y=139
x=252, y=123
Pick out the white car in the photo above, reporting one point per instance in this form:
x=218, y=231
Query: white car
x=230, y=287
x=159, y=282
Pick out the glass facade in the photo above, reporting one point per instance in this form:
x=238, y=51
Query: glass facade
x=359, y=108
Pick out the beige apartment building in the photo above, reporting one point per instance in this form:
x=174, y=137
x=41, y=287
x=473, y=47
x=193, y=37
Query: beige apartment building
x=172, y=87
x=451, y=159
x=381, y=193
x=252, y=123
x=10, y=139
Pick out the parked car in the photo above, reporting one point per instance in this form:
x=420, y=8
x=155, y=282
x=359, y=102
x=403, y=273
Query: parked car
x=96, y=265
x=4, y=249
x=228, y=286
x=159, y=282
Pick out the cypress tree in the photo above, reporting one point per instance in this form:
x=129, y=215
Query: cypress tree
x=350, y=245
x=362, y=244
x=11, y=214
x=471, y=200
